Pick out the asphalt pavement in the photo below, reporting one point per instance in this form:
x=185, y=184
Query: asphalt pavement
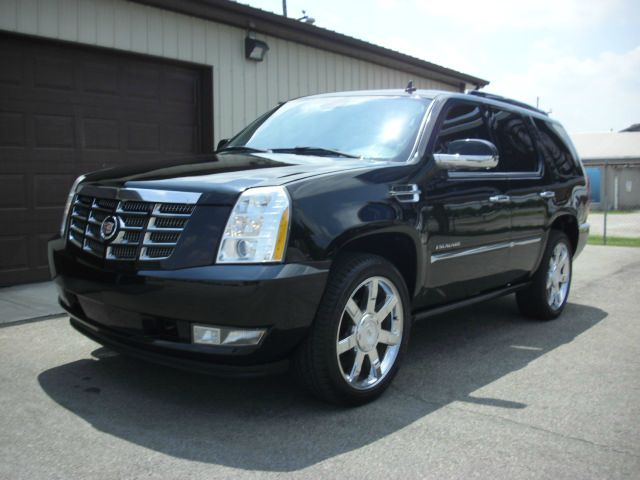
x=483, y=393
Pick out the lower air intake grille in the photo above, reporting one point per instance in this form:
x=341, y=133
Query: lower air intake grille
x=143, y=230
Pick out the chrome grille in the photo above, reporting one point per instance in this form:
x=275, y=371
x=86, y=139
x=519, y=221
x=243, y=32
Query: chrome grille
x=155, y=253
x=147, y=230
x=164, y=237
x=136, y=206
x=179, y=208
x=133, y=236
x=123, y=252
x=133, y=222
x=105, y=204
x=169, y=223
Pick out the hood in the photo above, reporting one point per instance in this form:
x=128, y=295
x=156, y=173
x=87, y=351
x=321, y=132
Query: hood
x=222, y=178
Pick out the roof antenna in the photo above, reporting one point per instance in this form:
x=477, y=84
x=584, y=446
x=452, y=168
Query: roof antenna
x=410, y=88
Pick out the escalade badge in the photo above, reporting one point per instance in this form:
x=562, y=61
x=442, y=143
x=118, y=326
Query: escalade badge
x=446, y=246
x=109, y=228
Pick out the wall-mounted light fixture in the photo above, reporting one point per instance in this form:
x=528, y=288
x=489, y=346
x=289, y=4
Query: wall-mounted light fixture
x=255, y=49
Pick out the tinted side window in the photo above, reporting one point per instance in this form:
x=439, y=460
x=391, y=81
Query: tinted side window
x=511, y=136
x=462, y=120
x=555, y=151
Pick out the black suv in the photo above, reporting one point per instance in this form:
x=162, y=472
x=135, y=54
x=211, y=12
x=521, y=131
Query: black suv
x=318, y=234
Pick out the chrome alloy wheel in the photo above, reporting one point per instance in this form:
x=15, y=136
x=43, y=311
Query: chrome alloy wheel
x=370, y=333
x=558, y=276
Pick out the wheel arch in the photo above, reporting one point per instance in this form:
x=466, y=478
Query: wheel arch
x=568, y=224
x=397, y=245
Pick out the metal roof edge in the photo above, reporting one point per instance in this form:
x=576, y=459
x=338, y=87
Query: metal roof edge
x=244, y=16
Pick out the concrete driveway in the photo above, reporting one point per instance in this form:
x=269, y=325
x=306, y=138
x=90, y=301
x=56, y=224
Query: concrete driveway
x=483, y=393
x=618, y=224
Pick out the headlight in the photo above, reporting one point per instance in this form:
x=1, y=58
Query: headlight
x=67, y=206
x=257, y=228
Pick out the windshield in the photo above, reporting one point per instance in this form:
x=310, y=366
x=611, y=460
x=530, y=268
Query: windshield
x=377, y=127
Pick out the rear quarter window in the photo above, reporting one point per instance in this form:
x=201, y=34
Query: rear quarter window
x=555, y=150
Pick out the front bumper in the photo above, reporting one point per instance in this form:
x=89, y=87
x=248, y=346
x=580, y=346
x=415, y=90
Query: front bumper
x=149, y=313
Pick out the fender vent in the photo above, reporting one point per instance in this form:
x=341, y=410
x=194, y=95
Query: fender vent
x=406, y=193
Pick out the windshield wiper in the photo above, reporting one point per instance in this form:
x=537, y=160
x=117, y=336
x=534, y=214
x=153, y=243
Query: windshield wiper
x=242, y=148
x=318, y=151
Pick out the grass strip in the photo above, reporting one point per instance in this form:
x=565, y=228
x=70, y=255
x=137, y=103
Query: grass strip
x=614, y=241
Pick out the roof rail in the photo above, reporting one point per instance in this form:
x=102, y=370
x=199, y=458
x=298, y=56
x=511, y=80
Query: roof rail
x=500, y=98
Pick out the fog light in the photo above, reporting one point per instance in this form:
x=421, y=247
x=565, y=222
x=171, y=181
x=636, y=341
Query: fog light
x=208, y=335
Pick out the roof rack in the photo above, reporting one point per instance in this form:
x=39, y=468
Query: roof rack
x=500, y=98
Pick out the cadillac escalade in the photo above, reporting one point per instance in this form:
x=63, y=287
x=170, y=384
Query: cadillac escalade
x=316, y=236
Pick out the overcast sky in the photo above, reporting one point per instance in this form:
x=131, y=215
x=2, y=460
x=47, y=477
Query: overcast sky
x=581, y=57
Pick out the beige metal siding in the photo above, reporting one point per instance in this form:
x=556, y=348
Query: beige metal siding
x=242, y=89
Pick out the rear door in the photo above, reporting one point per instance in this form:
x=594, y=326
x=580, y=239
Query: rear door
x=467, y=218
x=564, y=171
x=528, y=191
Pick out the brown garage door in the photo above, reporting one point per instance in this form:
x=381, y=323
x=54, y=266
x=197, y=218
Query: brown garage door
x=66, y=110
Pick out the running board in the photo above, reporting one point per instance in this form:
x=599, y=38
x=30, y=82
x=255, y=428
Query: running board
x=432, y=312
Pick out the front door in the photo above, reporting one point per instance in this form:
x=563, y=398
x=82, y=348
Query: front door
x=468, y=238
x=466, y=217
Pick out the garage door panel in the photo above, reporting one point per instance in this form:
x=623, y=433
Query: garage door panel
x=50, y=190
x=170, y=117
x=12, y=71
x=13, y=192
x=101, y=134
x=170, y=113
x=143, y=136
x=180, y=88
x=53, y=73
x=49, y=160
x=16, y=160
x=29, y=124
x=55, y=131
x=99, y=78
x=21, y=221
x=99, y=160
x=44, y=97
x=67, y=110
x=178, y=138
x=14, y=253
x=142, y=81
x=13, y=126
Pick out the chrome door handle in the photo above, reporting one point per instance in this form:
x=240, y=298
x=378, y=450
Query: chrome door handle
x=500, y=199
x=548, y=194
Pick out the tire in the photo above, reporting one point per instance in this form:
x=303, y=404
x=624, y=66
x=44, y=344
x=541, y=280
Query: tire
x=546, y=296
x=350, y=329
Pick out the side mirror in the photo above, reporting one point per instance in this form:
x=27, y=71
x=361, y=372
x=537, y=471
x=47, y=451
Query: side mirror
x=470, y=154
x=222, y=143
